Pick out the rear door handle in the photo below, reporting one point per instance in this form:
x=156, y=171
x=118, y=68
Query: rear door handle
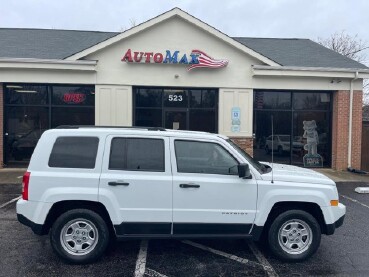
x=191, y=185
x=118, y=183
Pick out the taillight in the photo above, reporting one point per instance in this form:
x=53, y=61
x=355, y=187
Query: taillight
x=25, y=185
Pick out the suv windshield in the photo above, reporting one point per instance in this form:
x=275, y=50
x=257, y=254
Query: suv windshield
x=259, y=167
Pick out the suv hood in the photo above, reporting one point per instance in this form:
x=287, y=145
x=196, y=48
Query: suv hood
x=290, y=173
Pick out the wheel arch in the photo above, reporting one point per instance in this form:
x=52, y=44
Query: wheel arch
x=61, y=207
x=280, y=207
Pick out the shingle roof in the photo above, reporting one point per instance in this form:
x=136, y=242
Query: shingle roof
x=47, y=43
x=299, y=52
x=60, y=44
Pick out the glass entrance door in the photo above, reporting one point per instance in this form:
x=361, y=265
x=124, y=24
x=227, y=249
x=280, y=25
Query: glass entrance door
x=192, y=109
x=176, y=120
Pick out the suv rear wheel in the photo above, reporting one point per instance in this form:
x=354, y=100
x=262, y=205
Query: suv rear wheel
x=294, y=235
x=79, y=236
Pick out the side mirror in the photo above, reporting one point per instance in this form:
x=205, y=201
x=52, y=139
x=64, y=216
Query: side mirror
x=244, y=171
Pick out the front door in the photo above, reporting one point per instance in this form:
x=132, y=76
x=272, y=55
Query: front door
x=194, y=109
x=136, y=181
x=208, y=196
x=176, y=119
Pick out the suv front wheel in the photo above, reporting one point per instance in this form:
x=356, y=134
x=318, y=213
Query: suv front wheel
x=79, y=236
x=294, y=235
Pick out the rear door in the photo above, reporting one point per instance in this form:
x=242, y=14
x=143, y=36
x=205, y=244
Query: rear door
x=136, y=183
x=208, y=196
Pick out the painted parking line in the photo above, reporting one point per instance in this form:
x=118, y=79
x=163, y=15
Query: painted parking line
x=9, y=202
x=217, y=252
x=262, y=260
x=354, y=200
x=153, y=273
x=141, y=260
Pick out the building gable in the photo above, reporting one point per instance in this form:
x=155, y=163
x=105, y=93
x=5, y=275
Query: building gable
x=168, y=52
x=176, y=12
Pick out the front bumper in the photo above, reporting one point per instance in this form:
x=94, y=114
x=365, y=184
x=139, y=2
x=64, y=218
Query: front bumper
x=330, y=228
x=333, y=217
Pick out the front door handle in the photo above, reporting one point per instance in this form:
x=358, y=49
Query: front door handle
x=118, y=183
x=191, y=185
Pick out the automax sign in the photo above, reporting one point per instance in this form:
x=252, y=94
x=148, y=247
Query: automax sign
x=195, y=59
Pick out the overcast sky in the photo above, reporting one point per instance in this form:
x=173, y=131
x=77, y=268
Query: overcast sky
x=249, y=18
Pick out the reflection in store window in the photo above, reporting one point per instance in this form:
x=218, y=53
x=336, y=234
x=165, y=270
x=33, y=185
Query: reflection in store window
x=30, y=109
x=24, y=94
x=290, y=136
x=312, y=158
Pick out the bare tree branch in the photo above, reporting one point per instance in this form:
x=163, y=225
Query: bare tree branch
x=352, y=47
x=132, y=23
x=347, y=45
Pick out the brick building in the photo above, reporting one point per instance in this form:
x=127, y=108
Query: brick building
x=288, y=98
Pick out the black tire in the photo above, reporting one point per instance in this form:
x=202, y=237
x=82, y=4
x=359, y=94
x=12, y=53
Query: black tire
x=280, y=150
x=267, y=149
x=100, y=236
x=311, y=245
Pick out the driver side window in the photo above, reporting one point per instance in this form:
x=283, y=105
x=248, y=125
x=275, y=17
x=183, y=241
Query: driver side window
x=204, y=157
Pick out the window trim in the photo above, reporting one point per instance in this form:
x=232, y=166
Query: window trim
x=201, y=141
x=125, y=154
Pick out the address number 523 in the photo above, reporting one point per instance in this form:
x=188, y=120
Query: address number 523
x=175, y=98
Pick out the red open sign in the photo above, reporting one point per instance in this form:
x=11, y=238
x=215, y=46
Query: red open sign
x=74, y=98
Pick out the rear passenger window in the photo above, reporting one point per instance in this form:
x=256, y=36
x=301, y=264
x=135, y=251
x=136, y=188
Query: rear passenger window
x=74, y=152
x=137, y=154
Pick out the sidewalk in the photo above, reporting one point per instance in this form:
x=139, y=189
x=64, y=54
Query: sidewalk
x=11, y=175
x=14, y=175
x=343, y=176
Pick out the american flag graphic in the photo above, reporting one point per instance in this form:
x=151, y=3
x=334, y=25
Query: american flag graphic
x=206, y=61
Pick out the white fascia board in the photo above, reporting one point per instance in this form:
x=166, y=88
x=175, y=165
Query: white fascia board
x=295, y=71
x=163, y=17
x=28, y=63
x=226, y=38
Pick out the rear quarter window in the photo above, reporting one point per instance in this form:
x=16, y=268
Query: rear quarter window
x=74, y=152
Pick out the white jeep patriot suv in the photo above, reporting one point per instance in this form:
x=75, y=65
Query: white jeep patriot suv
x=86, y=185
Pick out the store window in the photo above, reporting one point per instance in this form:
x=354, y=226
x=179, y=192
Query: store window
x=301, y=127
x=30, y=109
x=23, y=94
x=176, y=108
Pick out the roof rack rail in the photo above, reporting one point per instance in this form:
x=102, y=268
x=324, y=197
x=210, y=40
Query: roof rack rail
x=115, y=127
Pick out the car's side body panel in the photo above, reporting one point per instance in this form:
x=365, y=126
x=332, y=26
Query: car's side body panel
x=144, y=203
x=154, y=204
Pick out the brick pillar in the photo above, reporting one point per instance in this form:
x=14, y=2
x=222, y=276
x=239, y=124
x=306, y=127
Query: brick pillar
x=340, y=129
x=246, y=143
x=1, y=126
x=357, y=125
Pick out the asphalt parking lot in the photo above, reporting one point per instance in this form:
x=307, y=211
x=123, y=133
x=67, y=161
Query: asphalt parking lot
x=346, y=253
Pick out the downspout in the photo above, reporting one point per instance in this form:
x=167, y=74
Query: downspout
x=350, y=119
